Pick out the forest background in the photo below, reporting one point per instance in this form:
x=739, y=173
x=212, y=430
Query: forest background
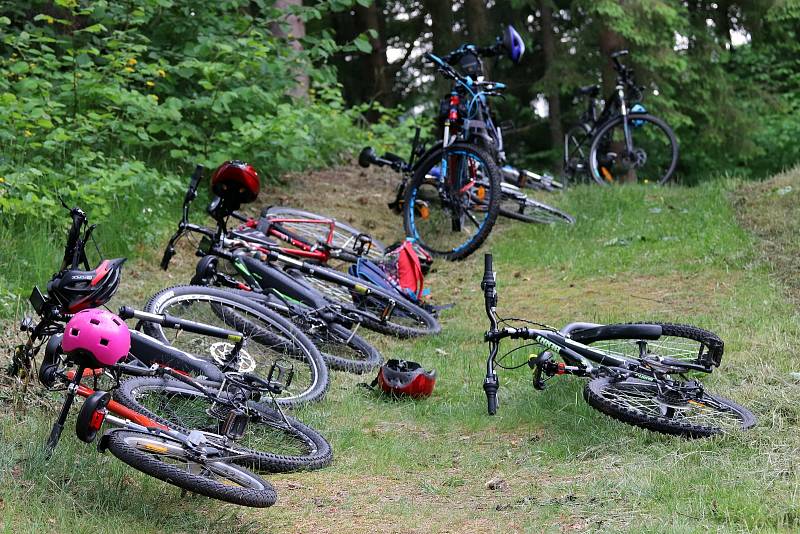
x=110, y=104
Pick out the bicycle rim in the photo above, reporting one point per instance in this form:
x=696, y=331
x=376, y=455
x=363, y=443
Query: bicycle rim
x=267, y=340
x=186, y=408
x=665, y=408
x=452, y=220
x=651, y=161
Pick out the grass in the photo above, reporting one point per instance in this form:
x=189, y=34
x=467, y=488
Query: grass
x=671, y=254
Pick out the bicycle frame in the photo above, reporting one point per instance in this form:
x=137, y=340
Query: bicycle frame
x=579, y=359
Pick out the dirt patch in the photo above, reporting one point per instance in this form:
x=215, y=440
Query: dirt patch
x=771, y=211
x=351, y=194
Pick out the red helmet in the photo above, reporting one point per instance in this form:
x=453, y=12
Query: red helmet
x=400, y=377
x=236, y=182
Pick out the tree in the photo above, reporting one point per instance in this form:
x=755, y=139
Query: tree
x=553, y=93
x=297, y=30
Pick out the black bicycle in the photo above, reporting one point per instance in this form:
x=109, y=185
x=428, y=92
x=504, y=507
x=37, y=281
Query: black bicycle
x=623, y=143
x=638, y=372
x=201, y=459
x=246, y=260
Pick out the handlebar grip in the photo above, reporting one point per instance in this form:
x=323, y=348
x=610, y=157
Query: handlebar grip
x=490, y=386
x=126, y=312
x=197, y=175
x=487, y=264
x=492, y=403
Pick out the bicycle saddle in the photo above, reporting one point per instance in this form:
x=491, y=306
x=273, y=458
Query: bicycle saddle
x=589, y=90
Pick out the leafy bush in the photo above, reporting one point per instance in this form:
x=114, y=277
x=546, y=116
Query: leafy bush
x=110, y=104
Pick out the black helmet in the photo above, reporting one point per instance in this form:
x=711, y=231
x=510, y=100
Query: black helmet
x=76, y=290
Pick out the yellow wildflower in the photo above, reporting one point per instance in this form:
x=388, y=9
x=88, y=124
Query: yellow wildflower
x=132, y=61
x=27, y=133
x=2, y=180
x=154, y=97
x=148, y=83
x=162, y=73
x=129, y=69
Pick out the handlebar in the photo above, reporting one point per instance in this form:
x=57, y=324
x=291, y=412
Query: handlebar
x=443, y=67
x=184, y=225
x=368, y=157
x=488, y=285
x=73, y=251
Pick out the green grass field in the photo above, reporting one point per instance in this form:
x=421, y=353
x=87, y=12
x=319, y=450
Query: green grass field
x=635, y=254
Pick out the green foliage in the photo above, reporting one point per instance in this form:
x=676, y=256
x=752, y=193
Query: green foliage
x=111, y=104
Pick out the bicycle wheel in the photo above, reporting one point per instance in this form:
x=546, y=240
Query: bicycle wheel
x=651, y=160
x=269, y=338
x=452, y=215
x=680, y=408
x=342, y=349
x=344, y=235
x=678, y=342
x=368, y=303
x=168, y=459
x=576, y=153
x=516, y=205
x=276, y=445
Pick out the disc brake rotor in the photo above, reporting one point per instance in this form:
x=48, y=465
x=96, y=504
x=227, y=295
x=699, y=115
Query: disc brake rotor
x=222, y=349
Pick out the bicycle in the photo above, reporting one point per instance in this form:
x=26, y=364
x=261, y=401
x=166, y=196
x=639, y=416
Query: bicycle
x=309, y=235
x=452, y=212
x=320, y=295
x=228, y=387
x=637, y=372
x=623, y=143
x=480, y=127
x=189, y=459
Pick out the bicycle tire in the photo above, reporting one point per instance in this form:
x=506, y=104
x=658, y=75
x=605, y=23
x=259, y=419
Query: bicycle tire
x=702, y=348
x=610, y=396
x=421, y=180
x=343, y=233
x=273, y=336
x=600, y=137
x=576, y=163
x=534, y=212
x=184, y=408
x=415, y=321
x=344, y=350
x=140, y=449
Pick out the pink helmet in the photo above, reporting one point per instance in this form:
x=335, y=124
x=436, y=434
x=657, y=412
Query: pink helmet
x=96, y=338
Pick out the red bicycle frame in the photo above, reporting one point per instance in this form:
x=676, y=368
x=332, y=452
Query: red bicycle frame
x=300, y=248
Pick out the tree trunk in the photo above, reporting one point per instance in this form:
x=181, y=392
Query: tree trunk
x=477, y=21
x=441, y=13
x=379, y=77
x=297, y=30
x=553, y=93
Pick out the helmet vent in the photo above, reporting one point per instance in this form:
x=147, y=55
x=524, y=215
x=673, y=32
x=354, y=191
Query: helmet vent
x=74, y=331
x=94, y=321
x=116, y=322
x=104, y=341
